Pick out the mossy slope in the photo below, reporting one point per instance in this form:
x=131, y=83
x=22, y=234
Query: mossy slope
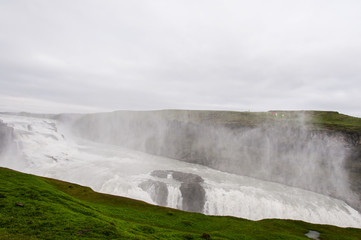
x=33, y=207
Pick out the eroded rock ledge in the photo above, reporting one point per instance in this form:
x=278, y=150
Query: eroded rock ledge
x=193, y=193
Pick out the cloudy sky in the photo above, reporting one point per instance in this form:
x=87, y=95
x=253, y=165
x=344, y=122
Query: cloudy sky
x=95, y=55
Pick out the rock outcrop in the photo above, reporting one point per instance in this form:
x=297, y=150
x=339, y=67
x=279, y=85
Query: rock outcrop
x=157, y=190
x=7, y=142
x=193, y=194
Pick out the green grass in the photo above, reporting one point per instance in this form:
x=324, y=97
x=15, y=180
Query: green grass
x=54, y=209
x=336, y=121
x=318, y=120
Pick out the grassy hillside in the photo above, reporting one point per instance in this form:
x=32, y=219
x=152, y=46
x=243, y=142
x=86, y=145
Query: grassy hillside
x=336, y=121
x=33, y=207
x=326, y=120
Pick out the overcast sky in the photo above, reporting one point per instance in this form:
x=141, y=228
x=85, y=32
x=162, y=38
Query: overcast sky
x=89, y=56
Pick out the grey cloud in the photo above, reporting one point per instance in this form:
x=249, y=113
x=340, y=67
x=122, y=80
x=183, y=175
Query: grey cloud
x=235, y=55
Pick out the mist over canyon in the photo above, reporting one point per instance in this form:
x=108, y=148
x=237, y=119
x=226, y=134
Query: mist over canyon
x=252, y=165
x=287, y=150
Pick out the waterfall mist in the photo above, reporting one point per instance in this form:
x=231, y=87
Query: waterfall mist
x=285, y=151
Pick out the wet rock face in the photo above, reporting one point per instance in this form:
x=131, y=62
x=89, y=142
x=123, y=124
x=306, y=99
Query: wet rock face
x=158, y=191
x=193, y=194
x=176, y=175
x=353, y=167
x=187, y=177
x=6, y=137
x=160, y=173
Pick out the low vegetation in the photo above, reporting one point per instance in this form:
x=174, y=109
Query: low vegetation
x=336, y=121
x=322, y=120
x=33, y=207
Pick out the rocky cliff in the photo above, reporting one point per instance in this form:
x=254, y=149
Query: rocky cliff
x=7, y=139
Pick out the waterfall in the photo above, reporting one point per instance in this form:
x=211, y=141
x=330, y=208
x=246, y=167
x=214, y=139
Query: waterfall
x=174, y=197
x=49, y=149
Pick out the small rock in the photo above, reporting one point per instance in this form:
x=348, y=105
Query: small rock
x=206, y=236
x=186, y=177
x=187, y=236
x=160, y=173
x=19, y=204
x=84, y=231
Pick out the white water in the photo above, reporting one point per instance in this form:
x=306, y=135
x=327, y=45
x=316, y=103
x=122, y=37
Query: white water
x=49, y=150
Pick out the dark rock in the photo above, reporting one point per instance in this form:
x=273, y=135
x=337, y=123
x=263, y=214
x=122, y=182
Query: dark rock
x=193, y=193
x=194, y=196
x=206, y=236
x=19, y=205
x=176, y=175
x=84, y=231
x=7, y=139
x=2, y=195
x=158, y=191
x=160, y=173
x=188, y=236
x=186, y=177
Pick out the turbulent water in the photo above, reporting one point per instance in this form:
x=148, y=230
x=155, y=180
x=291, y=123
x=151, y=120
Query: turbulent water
x=47, y=148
